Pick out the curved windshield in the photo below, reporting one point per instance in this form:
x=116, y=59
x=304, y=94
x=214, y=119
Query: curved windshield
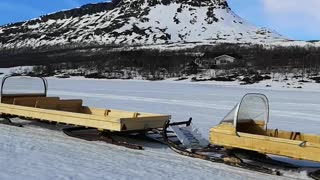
x=253, y=107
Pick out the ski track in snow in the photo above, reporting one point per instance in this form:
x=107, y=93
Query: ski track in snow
x=36, y=152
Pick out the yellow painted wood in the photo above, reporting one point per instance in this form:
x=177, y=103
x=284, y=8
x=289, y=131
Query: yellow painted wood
x=113, y=112
x=251, y=136
x=72, y=112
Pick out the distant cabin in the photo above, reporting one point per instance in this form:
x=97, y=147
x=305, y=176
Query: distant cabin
x=208, y=62
x=224, y=60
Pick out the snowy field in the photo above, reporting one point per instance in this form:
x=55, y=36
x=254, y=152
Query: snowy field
x=36, y=152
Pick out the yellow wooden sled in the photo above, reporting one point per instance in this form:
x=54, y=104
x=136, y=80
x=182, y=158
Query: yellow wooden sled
x=35, y=105
x=245, y=127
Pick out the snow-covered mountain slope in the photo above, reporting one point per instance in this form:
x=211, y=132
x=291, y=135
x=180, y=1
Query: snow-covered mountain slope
x=179, y=21
x=136, y=22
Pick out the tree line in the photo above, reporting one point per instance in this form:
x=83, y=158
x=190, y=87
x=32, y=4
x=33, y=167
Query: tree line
x=111, y=57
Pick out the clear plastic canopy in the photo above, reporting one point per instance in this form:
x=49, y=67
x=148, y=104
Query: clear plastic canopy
x=253, y=107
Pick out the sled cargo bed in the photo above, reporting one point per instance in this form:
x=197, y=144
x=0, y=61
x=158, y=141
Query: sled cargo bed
x=72, y=112
x=26, y=97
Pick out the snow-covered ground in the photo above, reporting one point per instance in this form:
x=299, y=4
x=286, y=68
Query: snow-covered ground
x=36, y=152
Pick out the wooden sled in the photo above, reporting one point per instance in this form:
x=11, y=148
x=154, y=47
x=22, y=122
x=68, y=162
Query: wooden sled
x=245, y=127
x=38, y=106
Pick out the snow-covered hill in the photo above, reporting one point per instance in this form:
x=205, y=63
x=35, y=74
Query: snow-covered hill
x=136, y=22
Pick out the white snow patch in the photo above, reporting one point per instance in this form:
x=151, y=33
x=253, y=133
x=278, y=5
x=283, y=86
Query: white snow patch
x=35, y=152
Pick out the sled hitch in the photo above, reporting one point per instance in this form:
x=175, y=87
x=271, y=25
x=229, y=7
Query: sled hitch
x=187, y=123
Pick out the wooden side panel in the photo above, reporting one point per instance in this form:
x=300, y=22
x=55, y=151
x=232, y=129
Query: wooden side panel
x=293, y=135
x=47, y=104
x=25, y=102
x=7, y=100
x=144, y=122
x=71, y=118
x=31, y=101
x=131, y=120
x=116, y=113
x=225, y=136
x=96, y=111
x=72, y=105
x=39, y=107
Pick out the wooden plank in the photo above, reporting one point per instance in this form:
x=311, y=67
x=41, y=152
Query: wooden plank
x=294, y=135
x=7, y=100
x=115, y=113
x=112, y=123
x=47, y=104
x=62, y=117
x=71, y=105
x=224, y=135
x=31, y=101
x=150, y=122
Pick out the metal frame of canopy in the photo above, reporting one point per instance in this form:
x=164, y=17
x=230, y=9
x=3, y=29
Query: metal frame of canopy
x=42, y=79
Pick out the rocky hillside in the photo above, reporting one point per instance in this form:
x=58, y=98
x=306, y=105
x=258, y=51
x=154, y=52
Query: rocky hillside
x=136, y=22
